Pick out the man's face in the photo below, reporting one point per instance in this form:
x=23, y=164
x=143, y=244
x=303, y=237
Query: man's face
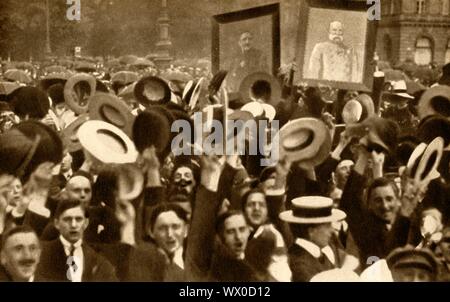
x=169, y=232
x=342, y=174
x=20, y=255
x=79, y=188
x=336, y=33
x=182, y=185
x=411, y=274
x=15, y=194
x=66, y=163
x=245, y=41
x=384, y=204
x=321, y=234
x=256, y=209
x=235, y=234
x=72, y=224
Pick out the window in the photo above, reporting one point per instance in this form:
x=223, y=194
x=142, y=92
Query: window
x=424, y=53
x=392, y=7
x=420, y=7
x=447, y=53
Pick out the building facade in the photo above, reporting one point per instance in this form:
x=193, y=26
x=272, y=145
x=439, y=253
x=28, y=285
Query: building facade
x=417, y=30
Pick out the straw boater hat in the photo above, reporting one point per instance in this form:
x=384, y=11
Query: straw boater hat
x=107, y=143
x=260, y=79
x=108, y=108
x=151, y=90
x=306, y=139
x=312, y=210
x=87, y=84
x=424, y=161
x=435, y=100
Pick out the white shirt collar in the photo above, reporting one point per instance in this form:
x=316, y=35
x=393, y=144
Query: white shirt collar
x=314, y=250
x=178, y=258
x=67, y=245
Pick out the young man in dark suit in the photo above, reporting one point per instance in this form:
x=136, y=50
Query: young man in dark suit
x=68, y=258
x=310, y=222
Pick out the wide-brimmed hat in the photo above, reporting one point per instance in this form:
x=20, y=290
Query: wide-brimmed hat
x=151, y=90
x=412, y=257
x=377, y=133
x=108, y=108
x=47, y=145
x=424, y=161
x=216, y=82
x=192, y=102
x=69, y=134
x=151, y=128
x=260, y=81
x=307, y=140
x=433, y=126
x=398, y=90
x=352, y=112
x=107, y=143
x=77, y=91
x=435, y=100
x=312, y=210
x=30, y=101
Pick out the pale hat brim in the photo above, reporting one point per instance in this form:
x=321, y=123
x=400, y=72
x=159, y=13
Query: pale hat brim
x=336, y=215
x=87, y=134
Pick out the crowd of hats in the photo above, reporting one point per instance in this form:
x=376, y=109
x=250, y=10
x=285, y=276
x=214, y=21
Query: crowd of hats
x=114, y=113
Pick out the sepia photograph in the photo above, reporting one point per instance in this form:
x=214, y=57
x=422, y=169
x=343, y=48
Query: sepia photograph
x=247, y=42
x=223, y=148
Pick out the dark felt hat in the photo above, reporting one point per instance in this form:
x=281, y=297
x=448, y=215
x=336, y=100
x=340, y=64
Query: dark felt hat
x=381, y=132
x=216, y=81
x=433, y=126
x=151, y=90
x=30, y=143
x=435, y=100
x=30, y=101
x=151, y=127
x=16, y=151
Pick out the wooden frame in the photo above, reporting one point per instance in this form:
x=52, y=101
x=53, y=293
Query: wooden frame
x=315, y=19
x=222, y=20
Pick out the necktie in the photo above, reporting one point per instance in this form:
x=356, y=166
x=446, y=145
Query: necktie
x=72, y=250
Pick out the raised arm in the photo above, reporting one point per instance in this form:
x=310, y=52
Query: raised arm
x=200, y=243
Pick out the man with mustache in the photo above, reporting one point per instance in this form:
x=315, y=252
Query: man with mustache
x=20, y=254
x=245, y=61
x=333, y=60
x=183, y=184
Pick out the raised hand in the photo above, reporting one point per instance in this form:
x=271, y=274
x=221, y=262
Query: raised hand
x=210, y=171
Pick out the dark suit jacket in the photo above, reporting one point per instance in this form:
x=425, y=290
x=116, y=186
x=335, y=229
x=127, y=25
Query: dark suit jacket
x=142, y=263
x=206, y=258
x=53, y=265
x=304, y=266
x=368, y=231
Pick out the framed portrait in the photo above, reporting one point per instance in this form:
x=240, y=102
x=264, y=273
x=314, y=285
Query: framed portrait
x=336, y=44
x=246, y=41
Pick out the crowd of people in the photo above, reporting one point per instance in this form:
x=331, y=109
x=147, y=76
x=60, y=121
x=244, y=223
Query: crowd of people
x=91, y=188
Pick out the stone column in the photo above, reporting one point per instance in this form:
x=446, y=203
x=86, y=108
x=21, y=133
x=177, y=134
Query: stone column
x=164, y=45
